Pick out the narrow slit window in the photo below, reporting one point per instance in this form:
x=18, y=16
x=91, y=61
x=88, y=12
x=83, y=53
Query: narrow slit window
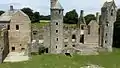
x=82, y=39
x=57, y=39
x=8, y=27
x=59, y=11
x=105, y=41
x=56, y=31
x=88, y=29
x=56, y=23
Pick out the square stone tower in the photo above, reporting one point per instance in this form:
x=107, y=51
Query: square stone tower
x=56, y=27
x=108, y=17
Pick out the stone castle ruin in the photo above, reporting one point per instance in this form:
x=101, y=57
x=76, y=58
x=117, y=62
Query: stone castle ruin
x=18, y=38
x=82, y=38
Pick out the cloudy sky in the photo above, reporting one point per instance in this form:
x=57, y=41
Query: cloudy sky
x=89, y=6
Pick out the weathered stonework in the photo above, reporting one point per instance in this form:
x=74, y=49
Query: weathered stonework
x=108, y=17
x=18, y=26
x=81, y=38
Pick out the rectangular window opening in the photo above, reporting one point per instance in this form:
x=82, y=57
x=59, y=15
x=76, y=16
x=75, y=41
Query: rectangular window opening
x=88, y=29
x=17, y=27
x=13, y=48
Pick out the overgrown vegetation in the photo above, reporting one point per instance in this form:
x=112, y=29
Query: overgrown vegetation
x=71, y=17
x=1, y=12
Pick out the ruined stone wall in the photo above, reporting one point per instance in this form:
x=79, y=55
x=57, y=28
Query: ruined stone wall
x=4, y=46
x=92, y=34
x=37, y=38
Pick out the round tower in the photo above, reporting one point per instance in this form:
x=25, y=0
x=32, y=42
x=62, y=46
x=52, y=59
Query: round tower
x=56, y=27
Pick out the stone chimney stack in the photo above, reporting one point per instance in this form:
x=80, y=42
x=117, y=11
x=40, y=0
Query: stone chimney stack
x=11, y=8
x=81, y=13
x=97, y=17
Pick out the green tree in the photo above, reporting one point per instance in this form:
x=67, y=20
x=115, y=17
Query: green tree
x=89, y=17
x=42, y=17
x=118, y=15
x=29, y=12
x=1, y=12
x=36, y=17
x=71, y=17
x=116, y=40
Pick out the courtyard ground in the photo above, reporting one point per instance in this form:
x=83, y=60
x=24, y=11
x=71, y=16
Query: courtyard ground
x=107, y=60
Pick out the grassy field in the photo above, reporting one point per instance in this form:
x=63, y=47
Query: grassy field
x=46, y=22
x=107, y=60
x=41, y=24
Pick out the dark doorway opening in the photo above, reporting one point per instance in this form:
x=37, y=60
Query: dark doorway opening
x=82, y=39
x=68, y=54
x=46, y=50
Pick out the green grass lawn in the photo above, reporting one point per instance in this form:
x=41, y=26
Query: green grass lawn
x=39, y=25
x=107, y=60
x=46, y=22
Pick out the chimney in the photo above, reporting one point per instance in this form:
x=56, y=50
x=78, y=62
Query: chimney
x=81, y=13
x=97, y=17
x=11, y=8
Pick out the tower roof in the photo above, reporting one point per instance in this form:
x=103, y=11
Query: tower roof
x=109, y=4
x=57, y=6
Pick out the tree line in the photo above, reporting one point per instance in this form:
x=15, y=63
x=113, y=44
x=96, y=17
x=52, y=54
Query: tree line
x=35, y=17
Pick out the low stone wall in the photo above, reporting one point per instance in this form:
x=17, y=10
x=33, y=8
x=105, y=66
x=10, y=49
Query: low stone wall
x=1, y=58
x=4, y=46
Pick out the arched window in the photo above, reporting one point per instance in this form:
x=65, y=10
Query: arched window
x=112, y=12
x=107, y=23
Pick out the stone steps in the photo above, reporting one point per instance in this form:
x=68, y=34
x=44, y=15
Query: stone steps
x=16, y=57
